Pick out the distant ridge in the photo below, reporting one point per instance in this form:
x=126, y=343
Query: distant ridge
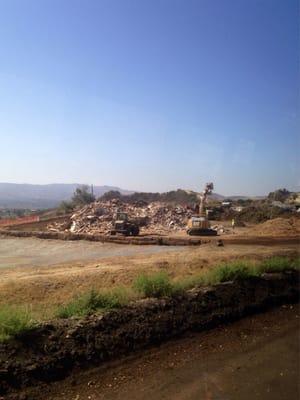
x=16, y=195
x=24, y=195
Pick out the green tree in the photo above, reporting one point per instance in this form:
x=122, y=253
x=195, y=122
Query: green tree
x=65, y=207
x=112, y=194
x=279, y=195
x=82, y=196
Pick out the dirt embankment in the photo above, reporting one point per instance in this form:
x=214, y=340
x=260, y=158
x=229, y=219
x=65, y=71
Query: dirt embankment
x=261, y=351
x=53, y=350
x=277, y=227
x=139, y=240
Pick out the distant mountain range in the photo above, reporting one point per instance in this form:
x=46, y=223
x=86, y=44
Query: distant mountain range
x=15, y=195
x=220, y=197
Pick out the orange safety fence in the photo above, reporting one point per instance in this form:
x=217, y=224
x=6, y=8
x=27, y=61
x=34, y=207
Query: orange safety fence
x=17, y=221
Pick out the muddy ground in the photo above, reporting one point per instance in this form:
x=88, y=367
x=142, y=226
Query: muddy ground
x=254, y=358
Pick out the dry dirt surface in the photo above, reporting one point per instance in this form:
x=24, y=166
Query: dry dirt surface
x=62, y=269
x=53, y=278
x=254, y=358
x=33, y=252
x=277, y=227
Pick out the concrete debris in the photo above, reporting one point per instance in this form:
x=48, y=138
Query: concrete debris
x=153, y=218
x=221, y=229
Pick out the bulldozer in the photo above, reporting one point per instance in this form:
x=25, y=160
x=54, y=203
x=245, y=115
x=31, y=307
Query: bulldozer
x=124, y=226
x=198, y=225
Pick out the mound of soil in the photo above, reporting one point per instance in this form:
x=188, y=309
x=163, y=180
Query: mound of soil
x=277, y=227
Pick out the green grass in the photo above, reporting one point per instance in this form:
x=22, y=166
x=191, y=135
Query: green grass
x=14, y=321
x=189, y=283
x=278, y=264
x=154, y=285
x=230, y=272
x=92, y=301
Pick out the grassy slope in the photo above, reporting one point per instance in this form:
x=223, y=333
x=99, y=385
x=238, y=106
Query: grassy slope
x=16, y=320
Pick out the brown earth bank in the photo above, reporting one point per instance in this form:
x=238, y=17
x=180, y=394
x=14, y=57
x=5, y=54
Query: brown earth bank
x=256, y=357
x=181, y=239
x=53, y=350
x=277, y=227
x=160, y=240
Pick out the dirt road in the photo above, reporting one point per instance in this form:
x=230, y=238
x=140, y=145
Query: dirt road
x=255, y=358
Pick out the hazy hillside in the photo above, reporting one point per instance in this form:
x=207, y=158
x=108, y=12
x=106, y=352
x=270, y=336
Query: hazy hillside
x=14, y=195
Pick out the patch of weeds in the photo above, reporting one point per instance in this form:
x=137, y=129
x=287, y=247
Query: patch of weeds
x=89, y=303
x=277, y=264
x=154, y=285
x=14, y=321
x=229, y=272
x=189, y=283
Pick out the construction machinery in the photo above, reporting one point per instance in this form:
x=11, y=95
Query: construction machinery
x=199, y=224
x=124, y=226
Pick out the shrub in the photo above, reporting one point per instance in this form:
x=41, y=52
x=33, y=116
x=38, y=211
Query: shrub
x=229, y=272
x=14, y=321
x=276, y=264
x=92, y=301
x=155, y=285
x=188, y=283
x=82, y=196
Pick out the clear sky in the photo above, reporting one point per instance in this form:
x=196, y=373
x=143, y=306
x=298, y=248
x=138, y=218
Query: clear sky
x=151, y=95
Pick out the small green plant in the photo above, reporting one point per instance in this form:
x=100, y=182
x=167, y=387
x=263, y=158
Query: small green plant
x=189, y=283
x=93, y=301
x=229, y=272
x=276, y=264
x=14, y=321
x=154, y=285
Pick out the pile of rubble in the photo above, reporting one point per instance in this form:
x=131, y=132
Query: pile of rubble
x=99, y=217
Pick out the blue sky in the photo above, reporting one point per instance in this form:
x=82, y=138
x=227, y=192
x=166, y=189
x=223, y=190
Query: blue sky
x=151, y=95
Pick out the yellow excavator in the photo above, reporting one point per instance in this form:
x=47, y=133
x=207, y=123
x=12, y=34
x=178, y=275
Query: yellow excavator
x=199, y=224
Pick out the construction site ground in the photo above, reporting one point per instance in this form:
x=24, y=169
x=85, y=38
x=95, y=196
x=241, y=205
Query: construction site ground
x=42, y=274
x=254, y=358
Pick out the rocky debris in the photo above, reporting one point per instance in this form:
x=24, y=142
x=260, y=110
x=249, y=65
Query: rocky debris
x=221, y=229
x=153, y=218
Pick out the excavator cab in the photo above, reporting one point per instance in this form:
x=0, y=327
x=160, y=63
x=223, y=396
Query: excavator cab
x=198, y=226
x=121, y=216
x=124, y=226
